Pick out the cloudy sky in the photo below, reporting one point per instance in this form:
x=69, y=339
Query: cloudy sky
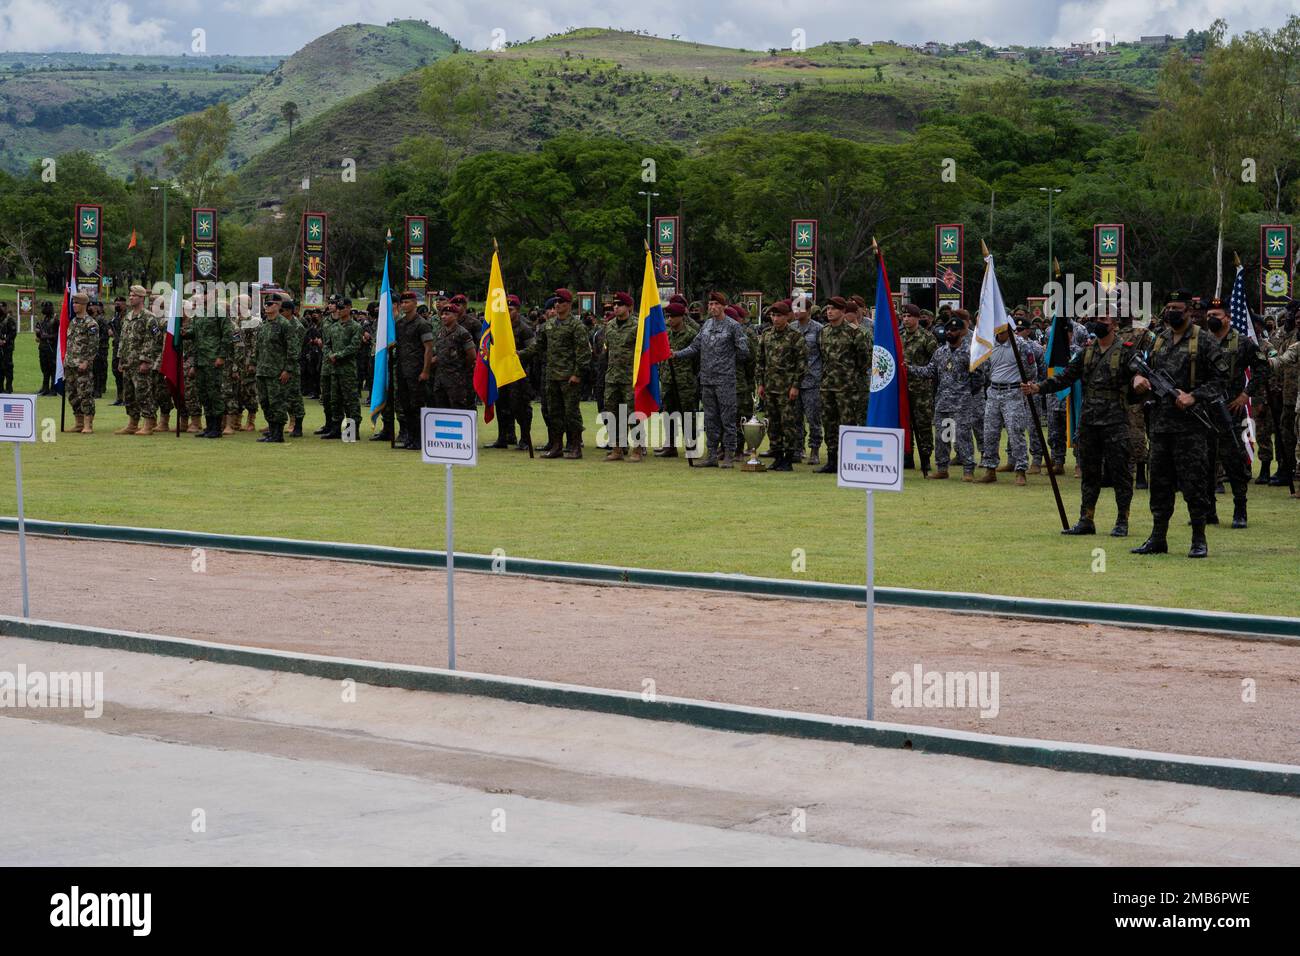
x=283, y=26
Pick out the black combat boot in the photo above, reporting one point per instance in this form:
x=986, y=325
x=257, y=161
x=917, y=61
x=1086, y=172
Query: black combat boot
x=1239, y=514
x=1084, y=525
x=297, y=428
x=270, y=434
x=1264, y=468
x=1141, y=483
x=323, y=429
x=782, y=463
x=574, y=449
x=384, y=435
x=1121, y=525
x=214, y=427
x=1199, y=547
x=909, y=463
x=333, y=430
x=832, y=464
x=1156, y=544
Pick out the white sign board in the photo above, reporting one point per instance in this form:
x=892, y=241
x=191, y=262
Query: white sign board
x=871, y=458
x=17, y=418
x=450, y=436
x=264, y=271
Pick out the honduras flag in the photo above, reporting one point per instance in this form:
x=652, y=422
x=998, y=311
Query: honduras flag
x=888, y=407
x=385, y=335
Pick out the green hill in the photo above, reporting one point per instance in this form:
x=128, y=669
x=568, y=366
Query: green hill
x=649, y=88
x=337, y=66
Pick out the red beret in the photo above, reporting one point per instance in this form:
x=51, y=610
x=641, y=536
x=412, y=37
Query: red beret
x=734, y=311
x=512, y=300
x=677, y=297
x=783, y=307
x=675, y=308
x=720, y=297
x=459, y=299
x=622, y=298
x=564, y=295
x=837, y=301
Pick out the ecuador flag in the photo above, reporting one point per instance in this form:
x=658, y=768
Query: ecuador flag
x=651, y=344
x=498, y=360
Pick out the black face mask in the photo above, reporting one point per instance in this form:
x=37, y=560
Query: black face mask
x=1173, y=318
x=954, y=339
x=1214, y=324
x=1289, y=324
x=1099, y=329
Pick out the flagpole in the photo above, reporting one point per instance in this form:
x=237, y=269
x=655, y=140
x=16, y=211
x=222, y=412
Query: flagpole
x=391, y=347
x=911, y=413
x=1033, y=410
x=58, y=341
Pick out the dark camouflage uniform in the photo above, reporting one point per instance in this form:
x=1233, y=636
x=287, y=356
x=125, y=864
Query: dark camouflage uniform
x=273, y=358
x=782, y=364
x=619, y=343
x=954, y=400
x=453, y=367
x=919, y=346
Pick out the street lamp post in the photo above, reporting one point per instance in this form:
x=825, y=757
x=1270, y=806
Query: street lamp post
x=164, y=189
x=649, y=237
x=1051, y=191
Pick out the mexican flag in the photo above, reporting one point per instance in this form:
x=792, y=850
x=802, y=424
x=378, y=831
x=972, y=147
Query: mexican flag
x=172, y=368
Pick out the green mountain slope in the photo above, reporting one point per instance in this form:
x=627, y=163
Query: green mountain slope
x=334, y=67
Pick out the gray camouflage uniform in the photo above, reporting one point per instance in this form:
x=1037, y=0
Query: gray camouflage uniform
x=720, y=344
x=954, y=399
x=809, y=404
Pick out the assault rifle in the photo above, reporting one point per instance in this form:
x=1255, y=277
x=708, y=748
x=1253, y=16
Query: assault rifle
x=1164, y=387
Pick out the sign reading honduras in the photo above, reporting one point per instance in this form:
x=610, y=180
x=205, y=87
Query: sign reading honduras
x=450, y=436
x=871, y=458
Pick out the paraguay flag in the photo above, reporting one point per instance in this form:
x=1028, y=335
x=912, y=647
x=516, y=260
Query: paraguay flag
x=498, y=362
x=385, y=335
x=651, y=344
x=888, y=407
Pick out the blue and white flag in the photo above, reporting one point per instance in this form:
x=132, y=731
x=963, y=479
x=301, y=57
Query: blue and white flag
x=385, y=334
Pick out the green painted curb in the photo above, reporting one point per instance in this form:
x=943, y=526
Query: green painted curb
x=1223, y=774
x=1241, y=625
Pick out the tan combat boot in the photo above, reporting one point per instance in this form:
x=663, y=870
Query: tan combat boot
x=989, y=477
x=638, y=454
x=146, y=427
x=252, y=422
x=130, y=428
x=615, y=454
x=937, y=475
x=227, y=426
x=88, y=425
x=1004, y=468
x=190, y=425
x=1020, y=478
x=80, y=421
x=164, y=424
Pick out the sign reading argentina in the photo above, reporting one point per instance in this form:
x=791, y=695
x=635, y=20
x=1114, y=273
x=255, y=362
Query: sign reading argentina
x=871, y=458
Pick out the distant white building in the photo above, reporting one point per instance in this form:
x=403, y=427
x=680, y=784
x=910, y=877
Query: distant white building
x=1162, y=40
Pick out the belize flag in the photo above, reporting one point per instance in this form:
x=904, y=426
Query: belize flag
x=651, y=344
x=385, y=335
x=888, y=407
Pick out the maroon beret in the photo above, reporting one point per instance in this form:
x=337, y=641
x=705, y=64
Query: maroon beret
x=837, y=301
x=783, y=307
x=564, y=295
x=720, y=297
x=512, y=300
x=622, y=298
x=675, y=308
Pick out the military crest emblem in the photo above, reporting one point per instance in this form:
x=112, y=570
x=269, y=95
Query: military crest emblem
x=204, y=262
x=88, y=260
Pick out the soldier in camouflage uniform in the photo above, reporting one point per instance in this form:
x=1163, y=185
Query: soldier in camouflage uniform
x=1105, y=370
x=341, y=342
x=919, y=346
x=1262, y=411
x=297, y=409
x=8, y=337
x=782, y=365
x=246, y=357
x=678, y=382
x=1198, y=368
x=79, y=364
x=1226, y=454
x=414, y=367
x=327, y=370
x=809, y=406
x=454, y=355
x=515, y=400
x=1288, y=419
x=209, y=342
x=366, y=352
x=1140, y=339
x=134, y=322
x=274, y=368
x=162, y=392
x=1280, y=364
x=846, y=353
x=192, y=409
x=721, y=345
x=746, y=370
x=567, y=353
x=619, y=404
x=954, y=398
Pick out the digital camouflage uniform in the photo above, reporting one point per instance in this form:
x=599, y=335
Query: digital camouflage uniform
x=1285, y=363
x=190, y=396
x=954, y=400
x=207, y=340
x=1178, y=441
x=162, y=393
x=567, y=354
x=327, y=370
x=342, y=340
x=246, y=361
x=233, y=370
x=273, y=357
x=782, y=364
x=808, y=407
x=1141, y=341
x=453, y=366
x=846, y=354
x=1103, y=443
x=412, y=394
x=919, y=346
x=82, y=346
x=720, y=345
x=678, y=383
x=619, y=343
x=130, y=352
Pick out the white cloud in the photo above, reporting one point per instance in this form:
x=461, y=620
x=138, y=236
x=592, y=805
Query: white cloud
x=85, y=26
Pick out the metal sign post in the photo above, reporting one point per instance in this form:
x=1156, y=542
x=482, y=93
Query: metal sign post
x=450, y=437
x=18, y=425
x=872, y=459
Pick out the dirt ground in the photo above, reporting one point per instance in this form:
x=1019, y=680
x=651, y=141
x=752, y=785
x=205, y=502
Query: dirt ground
x=1160, y=690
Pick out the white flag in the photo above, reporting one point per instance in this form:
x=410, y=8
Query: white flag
x=992, y=316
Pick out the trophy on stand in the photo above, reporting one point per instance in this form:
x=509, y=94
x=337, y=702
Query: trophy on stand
x=753, y=430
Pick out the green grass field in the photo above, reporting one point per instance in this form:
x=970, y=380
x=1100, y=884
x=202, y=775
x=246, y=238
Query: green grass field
x=943, y=535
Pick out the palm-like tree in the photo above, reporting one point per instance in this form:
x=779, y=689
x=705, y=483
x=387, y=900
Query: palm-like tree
x=290, y=113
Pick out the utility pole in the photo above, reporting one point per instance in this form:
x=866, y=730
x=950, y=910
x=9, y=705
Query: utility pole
x=649, y=235
x=1051, y=192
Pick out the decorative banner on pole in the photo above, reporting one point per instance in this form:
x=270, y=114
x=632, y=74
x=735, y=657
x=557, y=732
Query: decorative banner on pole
x=753, y=302
x=417, y=272
x=1037, y=307
x=26, y=309
x=667, y=256
x=803, y=258
x=203, y=245
x=1274, y=267
x=1107, y=259
x=315, y=235
x=89, y=246
x=586, y=303
x=949, y=265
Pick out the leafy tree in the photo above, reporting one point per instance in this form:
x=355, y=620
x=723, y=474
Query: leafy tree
x=290, y=113
x=196, y=156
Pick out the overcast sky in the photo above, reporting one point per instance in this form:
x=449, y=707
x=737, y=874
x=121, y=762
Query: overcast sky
x=283, y=26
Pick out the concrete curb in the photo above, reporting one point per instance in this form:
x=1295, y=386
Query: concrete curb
x=1220, y=773
x=1254, y=626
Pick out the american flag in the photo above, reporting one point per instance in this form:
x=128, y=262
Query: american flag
x=1238, y=311
x=13, y=415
